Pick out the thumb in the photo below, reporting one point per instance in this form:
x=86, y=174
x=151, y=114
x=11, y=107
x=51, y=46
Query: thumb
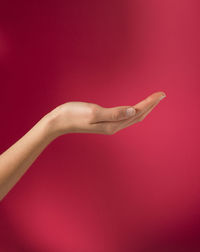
x=116, y=113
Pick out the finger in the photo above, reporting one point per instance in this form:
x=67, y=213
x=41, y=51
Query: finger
x=124, y=112
x=114, y=114
x=138, y=118
x=148, y=102
x=143, y=108
x=114, y=126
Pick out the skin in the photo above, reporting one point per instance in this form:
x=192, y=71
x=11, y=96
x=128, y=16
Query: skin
x=70, y=117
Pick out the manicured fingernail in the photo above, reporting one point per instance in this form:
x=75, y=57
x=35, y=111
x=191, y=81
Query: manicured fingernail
x=162, y=96
x=130, y=112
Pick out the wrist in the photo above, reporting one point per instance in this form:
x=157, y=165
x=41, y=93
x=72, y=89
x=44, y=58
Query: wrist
x=49, y=125
x=53, y=125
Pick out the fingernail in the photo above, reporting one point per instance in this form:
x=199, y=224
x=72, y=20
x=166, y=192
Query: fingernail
x=130, y=112
x=162, y=97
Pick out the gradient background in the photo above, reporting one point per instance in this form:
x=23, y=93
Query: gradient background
x=137, y=190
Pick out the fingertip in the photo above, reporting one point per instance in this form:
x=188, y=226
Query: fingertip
x=162, y=95
x=158, y=95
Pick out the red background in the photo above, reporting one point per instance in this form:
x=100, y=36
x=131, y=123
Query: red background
x=137, y=190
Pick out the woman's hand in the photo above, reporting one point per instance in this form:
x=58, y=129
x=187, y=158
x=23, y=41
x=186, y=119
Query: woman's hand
x=71, y=117
x=83, y=117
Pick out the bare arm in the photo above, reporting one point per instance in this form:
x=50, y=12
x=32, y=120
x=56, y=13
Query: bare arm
x=71, y=117
x=15, y=161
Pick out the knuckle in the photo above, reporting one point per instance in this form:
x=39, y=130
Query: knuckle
x=93, y=113
x=149, y=99
x=116, y=115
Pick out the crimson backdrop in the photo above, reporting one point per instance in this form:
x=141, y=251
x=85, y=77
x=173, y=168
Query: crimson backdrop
x=137, y=190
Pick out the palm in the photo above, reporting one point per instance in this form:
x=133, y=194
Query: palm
x=84, y=117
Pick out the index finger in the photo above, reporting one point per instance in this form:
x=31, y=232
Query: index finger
x=148, y=102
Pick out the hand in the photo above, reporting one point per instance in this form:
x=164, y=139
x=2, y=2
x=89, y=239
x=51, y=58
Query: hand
x=83, y=117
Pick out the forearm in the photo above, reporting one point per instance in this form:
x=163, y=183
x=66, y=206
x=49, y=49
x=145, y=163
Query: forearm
x=16, y=160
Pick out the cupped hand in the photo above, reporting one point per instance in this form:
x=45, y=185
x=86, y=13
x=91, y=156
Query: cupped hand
x=84, y=117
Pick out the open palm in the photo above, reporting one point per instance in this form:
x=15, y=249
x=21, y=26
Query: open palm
x=84, y=117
